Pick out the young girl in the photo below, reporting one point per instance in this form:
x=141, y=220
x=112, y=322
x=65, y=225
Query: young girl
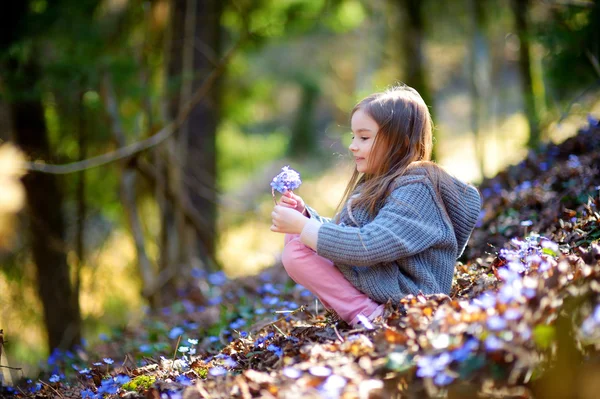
x=403, y=223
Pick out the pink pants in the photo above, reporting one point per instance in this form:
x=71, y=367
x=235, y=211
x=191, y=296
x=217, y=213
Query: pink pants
x=325, y=281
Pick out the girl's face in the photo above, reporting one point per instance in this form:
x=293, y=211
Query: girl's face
x=364, y=129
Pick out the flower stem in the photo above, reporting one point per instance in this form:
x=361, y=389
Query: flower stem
x=273, y=194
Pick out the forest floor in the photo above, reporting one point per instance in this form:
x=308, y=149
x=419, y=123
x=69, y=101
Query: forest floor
x=522, y=320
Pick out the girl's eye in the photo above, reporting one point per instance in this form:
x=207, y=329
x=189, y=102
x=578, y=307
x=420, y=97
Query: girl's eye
x=364, y=138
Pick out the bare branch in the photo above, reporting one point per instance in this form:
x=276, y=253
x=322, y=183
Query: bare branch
x=127, y=151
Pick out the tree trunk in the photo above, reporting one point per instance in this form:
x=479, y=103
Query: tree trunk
x=480, y=77
x=412, y=37
x=200, y=137
x=520, y=10
x=44, y=207
x=194, y=49
x=304, y=134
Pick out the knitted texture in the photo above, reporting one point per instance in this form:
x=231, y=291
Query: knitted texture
x=412, y=243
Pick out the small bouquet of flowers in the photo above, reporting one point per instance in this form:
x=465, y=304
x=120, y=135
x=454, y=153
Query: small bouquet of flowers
x=287, y=180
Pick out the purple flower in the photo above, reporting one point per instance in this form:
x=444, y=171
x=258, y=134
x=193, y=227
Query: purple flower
x=287, y=180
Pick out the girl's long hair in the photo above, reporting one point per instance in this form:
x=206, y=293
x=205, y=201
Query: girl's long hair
x=404, y=141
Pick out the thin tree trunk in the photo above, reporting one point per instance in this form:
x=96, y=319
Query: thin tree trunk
x=520, y=10
x=412, y=37
x=81, y=203
x=44, y=205
x=128, y=196
x=479, y=77
x=194, y=46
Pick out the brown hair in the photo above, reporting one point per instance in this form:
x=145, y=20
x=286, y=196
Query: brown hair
x=404, y=141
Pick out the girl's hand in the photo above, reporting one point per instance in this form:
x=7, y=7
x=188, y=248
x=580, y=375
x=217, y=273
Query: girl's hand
x=287, y=220
x=291, y=200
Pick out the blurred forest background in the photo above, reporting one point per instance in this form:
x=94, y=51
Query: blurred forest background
x=151, y=130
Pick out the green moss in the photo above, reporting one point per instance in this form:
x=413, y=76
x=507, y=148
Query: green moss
x=141, y=381
x=202, y=373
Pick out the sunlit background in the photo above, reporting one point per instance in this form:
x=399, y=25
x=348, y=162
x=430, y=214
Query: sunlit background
x=285, y=96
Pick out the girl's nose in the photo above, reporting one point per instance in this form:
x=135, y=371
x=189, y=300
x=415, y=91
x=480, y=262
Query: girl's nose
x=352, y=147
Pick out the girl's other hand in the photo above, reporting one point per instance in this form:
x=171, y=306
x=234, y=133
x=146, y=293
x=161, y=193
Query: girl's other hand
x=287, y=220
x=291, y=200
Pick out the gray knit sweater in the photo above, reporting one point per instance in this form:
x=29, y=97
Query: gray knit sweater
x=412, y=243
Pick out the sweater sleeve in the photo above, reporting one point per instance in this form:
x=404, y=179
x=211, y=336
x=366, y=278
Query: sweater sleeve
x=409, y=222
x=315, y=215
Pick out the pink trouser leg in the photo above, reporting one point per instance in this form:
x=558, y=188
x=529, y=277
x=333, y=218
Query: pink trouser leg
x=325, y=281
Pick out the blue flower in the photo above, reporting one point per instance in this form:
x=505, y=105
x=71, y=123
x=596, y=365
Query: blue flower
x=287, y=180
x=496, y=323
x=215, y=300
x=122, y=379
x=229, y=362
x=464, y=351
x=198, y=273
x=291, y=372
x=426, y=367
x=493, y=343
x=485, y=301
x=270, y=300
x=184, y=380
x=332, y=387
x=87, y=393
x=275, y=349
x=573, y=161
x=237, y=324
x=84, y=371
x=193, y=341
x=217, y=278
x=217, y=371
x=442, y=379
x=512, y=314
x=108, y=387
x=243, y=334
x=108, y=360
x=54, y=378
x=183, y=349
x=176, y=332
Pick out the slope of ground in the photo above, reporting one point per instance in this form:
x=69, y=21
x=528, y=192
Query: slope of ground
x=522, y=320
